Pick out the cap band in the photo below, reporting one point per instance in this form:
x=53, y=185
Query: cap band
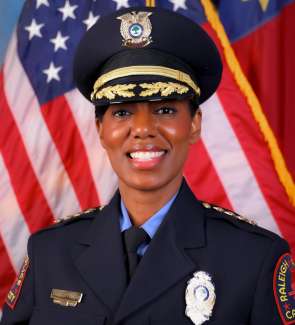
x=147, y=89
x=145, y=70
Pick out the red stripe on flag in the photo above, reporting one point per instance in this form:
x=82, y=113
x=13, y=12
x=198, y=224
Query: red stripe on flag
x=258, y=155
x=7, y=274
x=29, y=194
x=68, y=141
x=202, y=177
x=267, y=58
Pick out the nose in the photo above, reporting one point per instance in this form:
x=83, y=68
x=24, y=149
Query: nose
x=143, y=123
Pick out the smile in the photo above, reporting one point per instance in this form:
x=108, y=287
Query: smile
x=146, y=155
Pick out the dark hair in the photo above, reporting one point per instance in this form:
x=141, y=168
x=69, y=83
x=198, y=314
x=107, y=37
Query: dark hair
x=99, y=112
x=193, y=107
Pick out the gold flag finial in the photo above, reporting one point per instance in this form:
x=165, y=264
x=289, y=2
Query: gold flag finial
x=263, y=4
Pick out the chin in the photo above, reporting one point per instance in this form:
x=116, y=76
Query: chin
x=149, y=183
x=144, y=184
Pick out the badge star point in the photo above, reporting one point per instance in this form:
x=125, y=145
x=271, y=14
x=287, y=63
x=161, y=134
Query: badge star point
x=59, y=41
x=121, y=4
x=68, y=11
x=178, y=4
x=34, y=29
x=91, y=20
x=52, y=72
x=39, y=3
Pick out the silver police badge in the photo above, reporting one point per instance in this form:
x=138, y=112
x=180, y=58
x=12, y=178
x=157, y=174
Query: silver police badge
x=136, y=29
x=200, y=298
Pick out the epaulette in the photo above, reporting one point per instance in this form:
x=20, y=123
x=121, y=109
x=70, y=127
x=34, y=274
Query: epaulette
x=84, y=215
x=229, y=213
x=77, y=215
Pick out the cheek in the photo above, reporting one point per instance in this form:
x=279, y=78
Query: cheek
x=113, y=136
x=178, y=132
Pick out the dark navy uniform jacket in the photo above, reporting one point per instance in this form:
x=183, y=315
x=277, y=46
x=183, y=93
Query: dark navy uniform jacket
x=86, y=255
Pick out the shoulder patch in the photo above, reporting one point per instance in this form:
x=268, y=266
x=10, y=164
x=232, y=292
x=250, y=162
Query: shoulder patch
x=284, y=288
x=77, y=215
x=14, y=292
x=229, y=213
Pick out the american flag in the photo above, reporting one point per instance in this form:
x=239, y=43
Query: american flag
x=51, y=161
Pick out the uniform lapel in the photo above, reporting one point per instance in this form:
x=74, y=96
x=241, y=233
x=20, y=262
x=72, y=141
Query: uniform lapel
x=101, y=260
x=165, y=263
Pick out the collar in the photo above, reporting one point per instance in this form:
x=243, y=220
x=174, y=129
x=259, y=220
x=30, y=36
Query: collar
x=152, y=224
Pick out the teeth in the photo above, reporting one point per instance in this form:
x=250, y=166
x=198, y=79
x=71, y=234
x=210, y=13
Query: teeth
x=146, y=155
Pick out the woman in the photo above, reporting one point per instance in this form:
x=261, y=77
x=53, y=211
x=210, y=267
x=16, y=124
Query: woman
x=154, y=254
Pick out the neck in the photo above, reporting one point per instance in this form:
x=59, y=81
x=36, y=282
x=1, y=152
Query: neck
x=142, y=204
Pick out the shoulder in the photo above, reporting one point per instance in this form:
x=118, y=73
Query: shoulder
x=242, y=239
x=61, y=235
x=237, y=223
x=77, y=217
x=77, y=220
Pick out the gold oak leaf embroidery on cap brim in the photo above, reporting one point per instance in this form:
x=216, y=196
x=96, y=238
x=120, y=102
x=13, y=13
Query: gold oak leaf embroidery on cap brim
x=118, y=90
x=148, y=89
x=165, y=88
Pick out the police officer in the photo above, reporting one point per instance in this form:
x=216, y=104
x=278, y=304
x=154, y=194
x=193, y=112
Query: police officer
x=154, y=254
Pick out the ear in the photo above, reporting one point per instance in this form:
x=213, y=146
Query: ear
x=99, y=128
x=196, y=127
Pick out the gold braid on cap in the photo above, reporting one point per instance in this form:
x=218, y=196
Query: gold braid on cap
x=165, y=88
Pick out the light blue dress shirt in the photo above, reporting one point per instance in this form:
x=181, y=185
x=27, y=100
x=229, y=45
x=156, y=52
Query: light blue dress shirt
x=150, y=226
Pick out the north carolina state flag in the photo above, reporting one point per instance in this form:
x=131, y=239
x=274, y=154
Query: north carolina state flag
x=262, y=35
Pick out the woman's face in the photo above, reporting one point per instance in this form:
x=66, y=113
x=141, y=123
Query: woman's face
x=147, y=143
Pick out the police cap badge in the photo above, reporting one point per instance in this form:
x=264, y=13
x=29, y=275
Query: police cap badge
x=136, y=29
x=141, y=59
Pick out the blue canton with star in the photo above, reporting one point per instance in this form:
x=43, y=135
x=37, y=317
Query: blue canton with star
x=48, y=33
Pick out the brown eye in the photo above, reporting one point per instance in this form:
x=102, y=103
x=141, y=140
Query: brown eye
x=166, y=110
x=121, y=113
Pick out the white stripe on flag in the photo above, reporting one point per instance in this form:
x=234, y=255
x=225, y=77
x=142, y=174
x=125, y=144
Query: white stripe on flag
x=104, y=178
x=44, y=156
x=232, y=166
x=13, y=228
